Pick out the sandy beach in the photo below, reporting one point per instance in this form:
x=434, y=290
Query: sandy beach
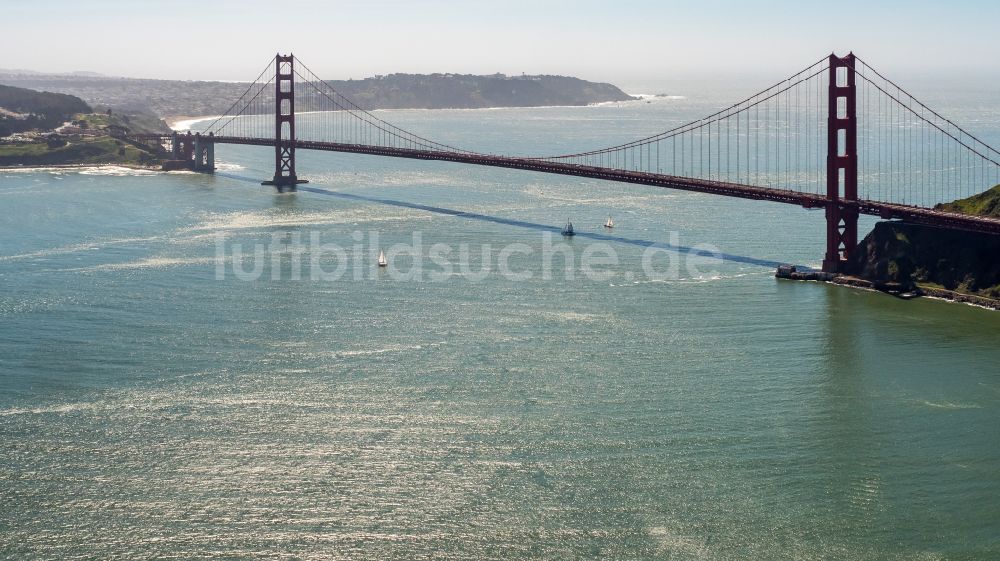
x=184, y=122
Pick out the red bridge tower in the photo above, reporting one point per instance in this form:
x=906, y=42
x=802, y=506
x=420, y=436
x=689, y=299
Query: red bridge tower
x=841, y=165
x=284, y=125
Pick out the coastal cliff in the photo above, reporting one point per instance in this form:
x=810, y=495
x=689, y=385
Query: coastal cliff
x=912, y=256
x=952, y=264
x=918, y=260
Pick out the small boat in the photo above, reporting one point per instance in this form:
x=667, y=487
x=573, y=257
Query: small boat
x=609, y=224
x=568, y=229
x=381, y=259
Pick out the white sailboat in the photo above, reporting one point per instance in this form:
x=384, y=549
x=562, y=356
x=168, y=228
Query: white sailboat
x=381, y=259
x=609, y=224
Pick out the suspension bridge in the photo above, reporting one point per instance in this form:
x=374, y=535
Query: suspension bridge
x=837, y=135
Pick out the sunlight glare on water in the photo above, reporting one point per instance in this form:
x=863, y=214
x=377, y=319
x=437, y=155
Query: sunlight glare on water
x=148, y=409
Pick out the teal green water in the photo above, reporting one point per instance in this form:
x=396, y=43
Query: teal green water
x=150, y=410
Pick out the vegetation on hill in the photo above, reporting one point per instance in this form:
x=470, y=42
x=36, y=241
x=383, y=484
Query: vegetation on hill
x=58, y=129
x=25, y=109
x=140, y=123
x=986, y=203
x=94, y=150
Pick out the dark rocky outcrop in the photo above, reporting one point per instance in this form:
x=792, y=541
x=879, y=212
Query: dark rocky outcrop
x=918, y=260
x=898, y=254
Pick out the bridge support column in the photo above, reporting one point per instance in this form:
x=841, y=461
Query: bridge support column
x=284, y=125
x=204, y=153
x=210, y=153
x=841, y=165
x=186, y=147
x=199, y=148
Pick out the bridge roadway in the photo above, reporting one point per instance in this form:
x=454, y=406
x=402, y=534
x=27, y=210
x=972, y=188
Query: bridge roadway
x=807, y=200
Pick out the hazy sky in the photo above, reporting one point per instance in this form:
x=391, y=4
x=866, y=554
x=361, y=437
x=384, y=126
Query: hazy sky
x=615, y=40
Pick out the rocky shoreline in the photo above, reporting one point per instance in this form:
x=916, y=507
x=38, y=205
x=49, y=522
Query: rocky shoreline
x=912, y=260
x=790, y=272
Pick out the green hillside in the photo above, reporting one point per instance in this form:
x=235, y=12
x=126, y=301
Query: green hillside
x=98, y=150
x=983, y=204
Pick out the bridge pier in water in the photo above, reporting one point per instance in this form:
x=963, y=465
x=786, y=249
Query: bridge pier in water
x=841, y=165
x=284, y=178
x=182, y=146
x=196, y=151
x=204, y=153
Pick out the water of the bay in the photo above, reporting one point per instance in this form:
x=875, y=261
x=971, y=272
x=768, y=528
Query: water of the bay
x=151, y=409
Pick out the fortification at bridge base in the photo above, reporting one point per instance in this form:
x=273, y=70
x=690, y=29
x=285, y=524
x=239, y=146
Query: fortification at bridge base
x=911, y=260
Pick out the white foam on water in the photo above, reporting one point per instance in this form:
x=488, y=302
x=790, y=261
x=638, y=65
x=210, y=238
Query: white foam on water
x=951, y=405
x=37, y=170
x=653, y=97
x=227, y=166
x=392, y=178
x=151, y=263
x=385, y=350
x=270, y=219
x=76, y=248
x=105, y=169
x=567, y=195
x=117, y=171
x=53, y=409
x=643, y=98
x=575, y=317
x=702, y=279
x=94, y=245
x=658, y=96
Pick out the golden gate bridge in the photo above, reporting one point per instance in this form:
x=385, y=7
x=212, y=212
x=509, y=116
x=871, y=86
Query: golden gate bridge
x=837, y=135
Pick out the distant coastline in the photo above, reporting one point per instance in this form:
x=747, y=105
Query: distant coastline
x=165, y=98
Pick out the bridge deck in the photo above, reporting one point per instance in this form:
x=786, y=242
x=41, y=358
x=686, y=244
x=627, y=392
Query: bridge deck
x=807, y=200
